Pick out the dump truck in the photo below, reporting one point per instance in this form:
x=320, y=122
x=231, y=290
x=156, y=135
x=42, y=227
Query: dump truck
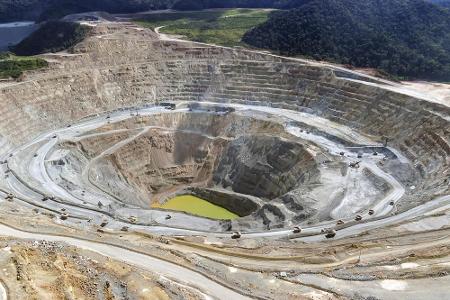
x=236, y=235
x=296, y=229
x=168, y=105
x=330, y=233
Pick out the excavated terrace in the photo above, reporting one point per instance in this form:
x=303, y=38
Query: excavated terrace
x=127, y=121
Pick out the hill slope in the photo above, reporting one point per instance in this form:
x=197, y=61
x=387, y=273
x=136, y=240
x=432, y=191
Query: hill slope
x=53, y=36
x=408, y=38
x=444, y=3
x=203, y=4
x=224, y=27
x=12, y=10
x=12, y=66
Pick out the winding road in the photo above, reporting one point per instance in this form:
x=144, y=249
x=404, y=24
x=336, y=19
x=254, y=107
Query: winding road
x=39, y=149
x=174, y=272
x=29, y=180
x=73, y=204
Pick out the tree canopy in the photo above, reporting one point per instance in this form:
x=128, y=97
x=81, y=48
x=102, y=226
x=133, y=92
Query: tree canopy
x=53, y=36
x=39, y=10
x=406, y=38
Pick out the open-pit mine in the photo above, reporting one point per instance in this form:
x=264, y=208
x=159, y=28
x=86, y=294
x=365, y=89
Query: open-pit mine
x=142, y=167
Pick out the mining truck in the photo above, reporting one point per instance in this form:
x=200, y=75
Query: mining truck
x=330, y=233
x=168, y=105
x=296, y=229
x=236, y=235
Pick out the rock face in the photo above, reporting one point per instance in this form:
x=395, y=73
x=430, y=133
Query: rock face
x=244, y=163
x=157, y=156
x=166, y=161
x=242, y=205
x=265, y=167
x=231, y=160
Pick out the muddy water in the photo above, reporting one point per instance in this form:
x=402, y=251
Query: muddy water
x=199, y=207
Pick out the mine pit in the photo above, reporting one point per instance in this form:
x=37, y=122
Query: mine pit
x=230, y=164
x=220, y=166
x=209, y=158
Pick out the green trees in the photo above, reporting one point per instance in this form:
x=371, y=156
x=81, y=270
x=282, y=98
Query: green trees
x=203, y=4
x=13, y=10
x=53, y=36
x=406, y=38
x=443, y=3
x=12, y=66
x=221, y=27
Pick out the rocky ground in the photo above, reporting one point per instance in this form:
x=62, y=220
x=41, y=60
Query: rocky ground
x=49, y=270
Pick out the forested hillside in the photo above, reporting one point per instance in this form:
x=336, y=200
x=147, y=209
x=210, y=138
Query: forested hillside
x=407, y=38
x=12, y=66
x=12, y=10
x=53, y=36
x=203, y=4
x=443, y=3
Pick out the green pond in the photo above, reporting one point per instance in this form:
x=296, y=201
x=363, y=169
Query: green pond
x=198, y=207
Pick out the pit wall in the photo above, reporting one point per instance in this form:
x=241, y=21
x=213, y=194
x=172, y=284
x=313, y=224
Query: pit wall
x=107, y=73
x=242, y=205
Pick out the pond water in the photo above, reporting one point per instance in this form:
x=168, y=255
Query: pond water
x=12, y=33
x=199, y=207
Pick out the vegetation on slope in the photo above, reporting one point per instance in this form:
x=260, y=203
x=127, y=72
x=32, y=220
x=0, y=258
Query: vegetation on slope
x=443, y=3
x=12, y=66
x=12, y=10
x=406, y=38
x=53, y=36
x=222, y=27
x=204, y=4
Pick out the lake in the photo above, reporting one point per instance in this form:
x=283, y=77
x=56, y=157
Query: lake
x=14, y=32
